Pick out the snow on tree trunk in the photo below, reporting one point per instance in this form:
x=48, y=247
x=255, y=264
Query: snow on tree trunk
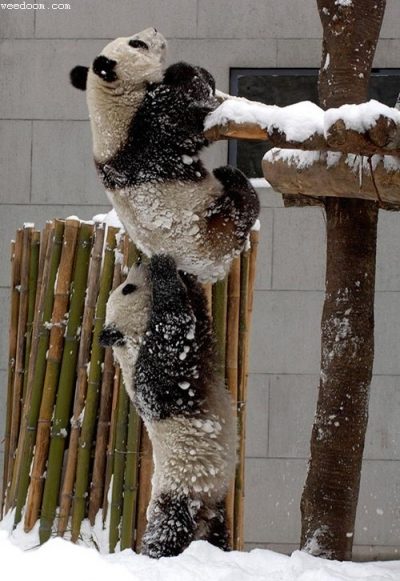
x=329, y=502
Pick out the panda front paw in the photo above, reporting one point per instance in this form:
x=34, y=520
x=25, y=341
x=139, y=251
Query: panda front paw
x=111, y=337
x=207, y=78
x=180, y=74
x=232, y=178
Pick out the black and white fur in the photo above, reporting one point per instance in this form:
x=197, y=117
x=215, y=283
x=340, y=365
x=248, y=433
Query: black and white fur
x=158, y=324
x=147, y=133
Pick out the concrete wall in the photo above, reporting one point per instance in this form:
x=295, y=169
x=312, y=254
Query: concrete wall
x=285, y=354
x=46, y=171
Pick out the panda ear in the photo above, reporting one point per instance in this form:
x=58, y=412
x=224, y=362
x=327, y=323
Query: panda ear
x=78, y=77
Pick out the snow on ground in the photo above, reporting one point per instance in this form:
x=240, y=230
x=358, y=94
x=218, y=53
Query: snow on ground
x=62, y=560
x=301, y=120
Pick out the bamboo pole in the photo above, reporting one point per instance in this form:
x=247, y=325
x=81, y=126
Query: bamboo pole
x=32, y=288
x=254, y=242
x=219, y=309
x=128, y=523
x=208, y=293
x=119, y=468
x=19, y=362
x=81, y=382
x=232, y=328
x=50, y=252
x=111, y=445
x=103, y=428
x=48, y=265
x=66, y=383
x=60, y=307
x=105, y=418
x=16, y=254
x=145, y=473
x=109, y=466
x=92, y=395
x=241, y=400
x=247, y=282
x=131, y=477
x=121, y=449
x=45, y=235
x=232, y=348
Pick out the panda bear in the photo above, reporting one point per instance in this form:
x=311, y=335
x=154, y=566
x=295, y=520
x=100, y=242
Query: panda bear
x=158, y=325
x=147, y=128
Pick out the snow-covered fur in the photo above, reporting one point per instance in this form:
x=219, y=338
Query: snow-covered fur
x=158, y=324
x=147, y=134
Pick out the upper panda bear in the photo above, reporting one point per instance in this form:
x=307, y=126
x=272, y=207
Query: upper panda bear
x=147, y=131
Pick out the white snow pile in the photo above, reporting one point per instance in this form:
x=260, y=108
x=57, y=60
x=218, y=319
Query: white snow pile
x=344, y=2
x=298, y=121
x=62, y=560
x=360, y=117
x=304, y=159
x=297, y=157
x=301, y=120
x=109, y=219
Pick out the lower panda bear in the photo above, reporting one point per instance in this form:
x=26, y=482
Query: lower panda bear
x=158, y=324
x=148, y=129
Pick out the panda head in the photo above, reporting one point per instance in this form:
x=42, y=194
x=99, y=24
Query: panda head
x=128, y=313
x=124, y=64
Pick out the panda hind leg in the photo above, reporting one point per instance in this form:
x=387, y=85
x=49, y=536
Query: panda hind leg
x=170, y=528
x=218, y=534
x=238, y=206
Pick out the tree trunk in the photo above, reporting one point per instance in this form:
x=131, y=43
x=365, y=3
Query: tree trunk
x=351, y=31
x=331, y=493
x=330, y=496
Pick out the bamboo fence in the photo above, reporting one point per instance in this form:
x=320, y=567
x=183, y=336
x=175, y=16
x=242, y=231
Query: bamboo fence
x=78, y=460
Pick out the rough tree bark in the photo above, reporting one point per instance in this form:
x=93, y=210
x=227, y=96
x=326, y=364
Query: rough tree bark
x=351, y=30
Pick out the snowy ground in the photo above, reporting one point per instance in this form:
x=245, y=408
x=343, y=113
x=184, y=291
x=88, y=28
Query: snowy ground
x=59, y=559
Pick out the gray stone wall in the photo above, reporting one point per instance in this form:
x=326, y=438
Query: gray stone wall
x=46, y=171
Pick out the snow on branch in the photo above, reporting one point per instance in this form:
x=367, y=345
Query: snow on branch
x=326, y=173
x=366, y=129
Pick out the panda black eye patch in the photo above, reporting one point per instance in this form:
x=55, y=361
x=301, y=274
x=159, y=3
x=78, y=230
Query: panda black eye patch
x=103, y=67
x=134, y=43
x=128, y=289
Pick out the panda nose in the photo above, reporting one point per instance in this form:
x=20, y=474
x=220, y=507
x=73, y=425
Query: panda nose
x=155, y=30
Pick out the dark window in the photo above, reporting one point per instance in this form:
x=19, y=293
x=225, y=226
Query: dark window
x=284, y=87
